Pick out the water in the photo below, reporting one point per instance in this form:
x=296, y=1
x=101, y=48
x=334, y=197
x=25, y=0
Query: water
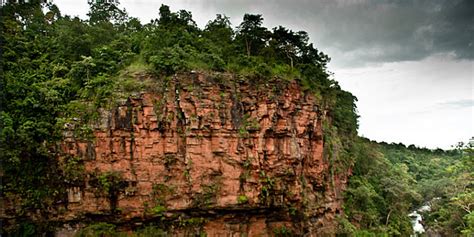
x=416, y=223
x=416, y=219
x=425, y=208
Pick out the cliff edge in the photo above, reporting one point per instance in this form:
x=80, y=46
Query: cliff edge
x=204, y=153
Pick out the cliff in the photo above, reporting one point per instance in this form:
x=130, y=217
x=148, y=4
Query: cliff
x=207, y=154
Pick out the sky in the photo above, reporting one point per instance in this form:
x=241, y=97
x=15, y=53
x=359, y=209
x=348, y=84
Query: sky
x=409, y=63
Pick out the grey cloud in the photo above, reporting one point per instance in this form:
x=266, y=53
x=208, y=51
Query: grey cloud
x=368, y=31
x=378, y=31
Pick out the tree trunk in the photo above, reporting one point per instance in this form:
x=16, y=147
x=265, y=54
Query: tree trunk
x=388, y=217
x=288, y=55
x=247, y=44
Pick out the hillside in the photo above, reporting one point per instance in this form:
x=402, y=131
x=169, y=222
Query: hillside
x=391, y=180
x=110, y=125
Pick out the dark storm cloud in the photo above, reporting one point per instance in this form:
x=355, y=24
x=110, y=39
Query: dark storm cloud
x=374, y=30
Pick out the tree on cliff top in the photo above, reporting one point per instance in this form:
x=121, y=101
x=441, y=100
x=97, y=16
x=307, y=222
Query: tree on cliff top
x=251, y=33
x=105, y=12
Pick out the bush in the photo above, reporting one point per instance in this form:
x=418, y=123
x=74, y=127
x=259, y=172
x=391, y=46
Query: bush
x=98, y=230
x=170, y=60
x=242, y=199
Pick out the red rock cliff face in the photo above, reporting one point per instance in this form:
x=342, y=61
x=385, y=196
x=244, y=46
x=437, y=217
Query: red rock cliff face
x=239, y=158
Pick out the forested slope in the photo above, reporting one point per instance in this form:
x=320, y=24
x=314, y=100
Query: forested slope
x=391, y=180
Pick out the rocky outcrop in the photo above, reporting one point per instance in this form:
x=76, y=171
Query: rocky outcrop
x=208, y=153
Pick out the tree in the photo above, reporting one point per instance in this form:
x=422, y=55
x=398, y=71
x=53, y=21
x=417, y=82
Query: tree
x=181, y=20
x=288, y=43
x=105, y=12
x=219, y=30
x=220, y=35
x=252, y=34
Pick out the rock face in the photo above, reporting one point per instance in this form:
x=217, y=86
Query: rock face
x=211, y=154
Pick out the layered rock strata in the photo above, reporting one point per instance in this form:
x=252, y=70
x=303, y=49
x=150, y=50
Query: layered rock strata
x=209, y=154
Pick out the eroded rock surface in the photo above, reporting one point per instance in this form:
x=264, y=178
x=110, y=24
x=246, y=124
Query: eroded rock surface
x=240, y=157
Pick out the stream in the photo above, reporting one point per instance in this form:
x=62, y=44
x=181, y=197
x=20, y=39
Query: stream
x=416, y=223
x=416, y=220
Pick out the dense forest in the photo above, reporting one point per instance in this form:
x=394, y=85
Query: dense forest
x=51, y=64
x=390, y=180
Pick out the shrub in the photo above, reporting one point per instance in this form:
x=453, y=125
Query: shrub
x=242, y=199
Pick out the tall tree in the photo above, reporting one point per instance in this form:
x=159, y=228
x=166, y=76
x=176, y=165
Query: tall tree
x=289, y=44
x=105, y=11
x=181, y=20
x=252, y=34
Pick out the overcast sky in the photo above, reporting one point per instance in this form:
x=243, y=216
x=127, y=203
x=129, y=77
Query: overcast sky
x=410, y=63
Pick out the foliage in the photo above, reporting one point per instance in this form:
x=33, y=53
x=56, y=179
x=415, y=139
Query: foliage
x=267, y=189
x=98, y=230
x=109, y=184
x=160, y=192
x=149, y=231
x=109, y=230
x=73, y=171
x=391, y=180
x=452, y=208
x=158, y=210
x=242, y=199
x=208, y=195
x=27, y=228
x=251, y=34
x=282, y=231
